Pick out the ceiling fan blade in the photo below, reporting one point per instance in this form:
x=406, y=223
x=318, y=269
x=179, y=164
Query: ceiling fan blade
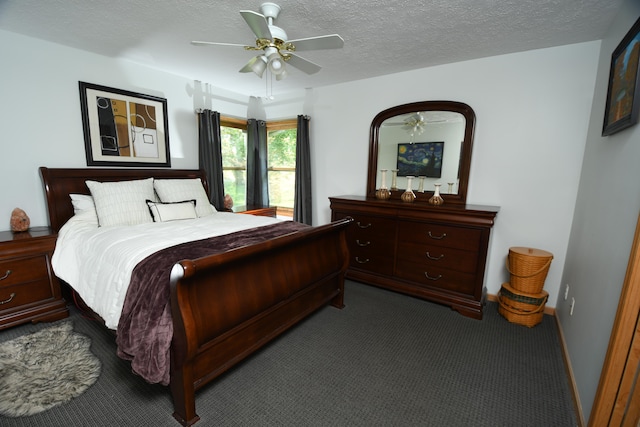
x=201, y=43
x=332, y=41
x=303, y=64
x=258, y=24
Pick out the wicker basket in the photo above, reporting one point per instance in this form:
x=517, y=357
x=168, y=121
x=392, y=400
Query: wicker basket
x=528, y=268
x=523, y=309
x=522, y=301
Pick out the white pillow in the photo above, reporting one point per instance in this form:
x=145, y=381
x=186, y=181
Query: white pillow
x=178, y=190
x=163, y=212
x=81, y=203
x=122, y=202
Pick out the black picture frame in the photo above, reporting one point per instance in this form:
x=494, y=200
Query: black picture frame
x=623, y=93
x=420, y=159
x=124, y=128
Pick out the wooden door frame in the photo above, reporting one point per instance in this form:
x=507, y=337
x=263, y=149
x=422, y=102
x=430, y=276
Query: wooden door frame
x=605, y=407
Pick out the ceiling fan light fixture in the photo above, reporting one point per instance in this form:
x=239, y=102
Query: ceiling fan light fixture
x=274, y=61
x=282, y=74
x=259, y=65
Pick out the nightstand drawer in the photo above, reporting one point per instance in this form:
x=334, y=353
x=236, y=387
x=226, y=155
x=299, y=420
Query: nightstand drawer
x=20, y=270
x=25, y=293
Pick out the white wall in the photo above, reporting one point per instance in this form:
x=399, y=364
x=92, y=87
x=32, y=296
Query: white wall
x=532, y=112
x=608, y=203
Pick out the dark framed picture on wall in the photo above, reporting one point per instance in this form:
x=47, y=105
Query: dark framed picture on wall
x=622, y=107
x=123, y=128
x=420, y=159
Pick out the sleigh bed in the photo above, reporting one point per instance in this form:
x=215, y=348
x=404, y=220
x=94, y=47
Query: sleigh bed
x=226, y=305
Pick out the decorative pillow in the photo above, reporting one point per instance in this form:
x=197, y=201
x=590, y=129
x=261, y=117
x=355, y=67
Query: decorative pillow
x=178, y=190
x=163, y=212
x=122, y=202
x=81, y=203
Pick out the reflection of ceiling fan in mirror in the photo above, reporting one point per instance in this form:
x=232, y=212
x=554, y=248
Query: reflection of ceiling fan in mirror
x=276, y=48
x=414, y=123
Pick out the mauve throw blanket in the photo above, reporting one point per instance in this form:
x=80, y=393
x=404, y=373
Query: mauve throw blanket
x=145, y=328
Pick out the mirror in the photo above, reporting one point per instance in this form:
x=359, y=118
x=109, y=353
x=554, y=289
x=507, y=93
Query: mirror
x=430, y=141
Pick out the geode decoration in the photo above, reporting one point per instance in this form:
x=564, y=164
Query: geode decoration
x=19, y=220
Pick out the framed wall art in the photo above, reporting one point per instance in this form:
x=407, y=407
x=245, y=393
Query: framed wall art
x=623, y=93
x=420, y=159
x=123, y=128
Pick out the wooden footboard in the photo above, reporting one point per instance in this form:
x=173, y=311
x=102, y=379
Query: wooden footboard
x=227, y=306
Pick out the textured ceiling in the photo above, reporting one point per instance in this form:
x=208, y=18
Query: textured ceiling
x=381, y=37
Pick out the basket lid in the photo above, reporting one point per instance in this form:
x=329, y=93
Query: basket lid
x=520, y=250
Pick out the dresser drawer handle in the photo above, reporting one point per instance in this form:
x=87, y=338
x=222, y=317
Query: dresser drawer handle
x=359, y=243
x=426, y=274
x=13, y=294
x=362, y=261
x=363, y=226
x=440, y=237
x=6, y=275
x=434, y=257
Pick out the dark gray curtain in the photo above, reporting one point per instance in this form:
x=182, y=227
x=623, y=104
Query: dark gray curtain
x=302, y=199
x=210, y=155
x=257, y=178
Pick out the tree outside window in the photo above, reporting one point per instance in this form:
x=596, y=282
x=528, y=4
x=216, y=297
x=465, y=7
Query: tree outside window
x=281, y=162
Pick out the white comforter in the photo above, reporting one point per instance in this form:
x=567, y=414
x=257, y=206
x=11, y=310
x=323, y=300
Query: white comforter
x=97, y=262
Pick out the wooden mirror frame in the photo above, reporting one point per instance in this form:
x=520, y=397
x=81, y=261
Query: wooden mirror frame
x=465, y=152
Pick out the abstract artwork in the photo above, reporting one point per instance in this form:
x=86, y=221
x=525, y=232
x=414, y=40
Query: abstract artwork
x=123, y=128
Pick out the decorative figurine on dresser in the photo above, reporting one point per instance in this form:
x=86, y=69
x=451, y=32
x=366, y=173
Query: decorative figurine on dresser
x=29, y=291
x=436, y=247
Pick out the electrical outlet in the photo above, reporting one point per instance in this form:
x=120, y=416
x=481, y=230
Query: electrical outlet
x=573, y=303
x=566, y=291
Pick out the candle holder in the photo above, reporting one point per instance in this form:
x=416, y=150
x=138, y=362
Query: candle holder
x=436, y=199
x=408, y=196
x=383, y=192
x=394, y=179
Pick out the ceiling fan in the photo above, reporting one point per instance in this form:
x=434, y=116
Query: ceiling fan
x=276, y=48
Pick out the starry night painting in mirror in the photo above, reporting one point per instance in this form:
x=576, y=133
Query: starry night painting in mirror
x=420, y=159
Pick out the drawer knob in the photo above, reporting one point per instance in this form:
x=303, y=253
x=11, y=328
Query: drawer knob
x=362, y=261
x=13, y=294
x=6, y=275
x=426, y=274
x=440, y=237
x=359, y=243
x=434, y=257
x=361, y=225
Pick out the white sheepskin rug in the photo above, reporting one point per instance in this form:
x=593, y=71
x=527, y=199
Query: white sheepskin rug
x=45, y=369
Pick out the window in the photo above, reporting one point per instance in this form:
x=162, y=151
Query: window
x=281, y=165
x=281, y=162
x=233, y=134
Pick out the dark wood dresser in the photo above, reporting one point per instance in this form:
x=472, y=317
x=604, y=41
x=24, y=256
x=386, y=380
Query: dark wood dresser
x=437, y=253
x=29, y=291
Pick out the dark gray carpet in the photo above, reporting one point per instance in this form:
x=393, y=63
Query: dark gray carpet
x=384, y=360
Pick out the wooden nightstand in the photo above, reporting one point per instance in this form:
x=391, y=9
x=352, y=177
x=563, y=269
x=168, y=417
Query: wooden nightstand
x=29, y=291
x=256, y=210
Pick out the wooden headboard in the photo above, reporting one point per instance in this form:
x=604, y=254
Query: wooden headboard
x=59, y=183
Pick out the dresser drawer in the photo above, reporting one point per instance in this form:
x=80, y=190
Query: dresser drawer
x=19, y=270
x=372, y=228
x=440, y=235
x=437, y=277
x=371, y=261
x=438, y=256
